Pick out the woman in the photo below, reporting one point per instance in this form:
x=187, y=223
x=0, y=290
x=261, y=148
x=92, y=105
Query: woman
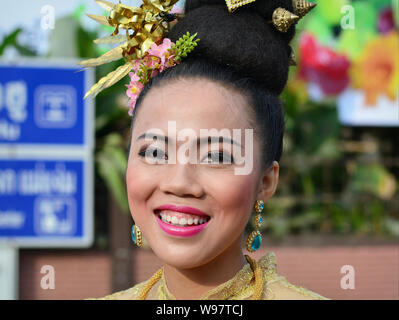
x=186, y=192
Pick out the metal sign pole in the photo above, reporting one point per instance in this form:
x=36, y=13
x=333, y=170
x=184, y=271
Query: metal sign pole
x=9, y=269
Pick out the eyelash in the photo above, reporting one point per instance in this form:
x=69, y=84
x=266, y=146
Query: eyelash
x=143, y=152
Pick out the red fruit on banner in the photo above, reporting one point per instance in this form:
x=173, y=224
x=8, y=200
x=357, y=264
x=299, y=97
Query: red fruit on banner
x=323, y=66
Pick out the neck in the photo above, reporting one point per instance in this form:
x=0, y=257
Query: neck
x=192, y=284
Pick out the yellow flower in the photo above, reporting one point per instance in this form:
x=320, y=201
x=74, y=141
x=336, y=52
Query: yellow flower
x=376, y=71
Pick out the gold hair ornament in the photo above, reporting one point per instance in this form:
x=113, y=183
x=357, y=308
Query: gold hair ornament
x=302, y=7
x=232, y=5
x=281, y=18
x=144, y=26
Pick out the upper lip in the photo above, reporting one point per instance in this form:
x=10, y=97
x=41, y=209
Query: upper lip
x=183, y=209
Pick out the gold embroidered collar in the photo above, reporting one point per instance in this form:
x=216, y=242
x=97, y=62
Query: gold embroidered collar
x=240, y=287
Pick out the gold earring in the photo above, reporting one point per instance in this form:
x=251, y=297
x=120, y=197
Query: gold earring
x=136, y=235
x=255, y=238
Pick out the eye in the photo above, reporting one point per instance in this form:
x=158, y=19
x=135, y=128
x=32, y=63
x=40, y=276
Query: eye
x=153, y=153
x=219, y=157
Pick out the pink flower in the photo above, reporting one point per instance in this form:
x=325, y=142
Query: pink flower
x=162, y=52
x=135, y=86
x=133, y=77
x=133, y=90
x=157, y=60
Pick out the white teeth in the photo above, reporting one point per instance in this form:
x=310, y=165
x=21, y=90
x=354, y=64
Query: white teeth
x=175, y=220
x=181, y=221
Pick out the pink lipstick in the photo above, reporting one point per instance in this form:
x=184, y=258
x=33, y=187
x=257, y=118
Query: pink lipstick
x=185, y=230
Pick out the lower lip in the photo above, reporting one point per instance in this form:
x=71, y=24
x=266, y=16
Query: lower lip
x=176, y=231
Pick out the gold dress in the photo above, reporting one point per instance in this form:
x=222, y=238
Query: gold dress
x=242, y=286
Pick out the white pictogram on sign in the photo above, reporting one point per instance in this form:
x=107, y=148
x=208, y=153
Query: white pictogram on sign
x=55, y=106
x=55, y=216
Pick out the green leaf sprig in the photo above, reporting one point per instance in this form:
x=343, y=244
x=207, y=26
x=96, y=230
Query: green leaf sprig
x=184, y=45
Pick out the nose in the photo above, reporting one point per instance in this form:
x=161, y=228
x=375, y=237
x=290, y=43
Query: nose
x=181, y=180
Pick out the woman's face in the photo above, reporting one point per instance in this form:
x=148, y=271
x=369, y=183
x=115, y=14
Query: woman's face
x=226, y=198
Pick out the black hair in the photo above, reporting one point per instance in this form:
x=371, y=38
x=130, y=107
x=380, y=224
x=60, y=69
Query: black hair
x=240, y=50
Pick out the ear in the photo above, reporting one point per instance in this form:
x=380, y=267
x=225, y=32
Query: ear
x=268, y=183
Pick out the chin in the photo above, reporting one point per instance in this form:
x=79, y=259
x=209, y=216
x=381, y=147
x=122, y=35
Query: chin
x=181, y=257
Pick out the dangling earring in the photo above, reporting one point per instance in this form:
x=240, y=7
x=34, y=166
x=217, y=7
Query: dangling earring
x=255, y=238
x=136, y=235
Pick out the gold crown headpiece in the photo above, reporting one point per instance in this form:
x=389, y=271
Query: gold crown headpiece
x=150, y=23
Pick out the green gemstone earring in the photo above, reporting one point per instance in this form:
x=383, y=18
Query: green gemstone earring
x=255, y=238
x=136, y=235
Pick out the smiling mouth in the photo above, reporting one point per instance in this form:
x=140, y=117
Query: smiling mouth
x=181, y=219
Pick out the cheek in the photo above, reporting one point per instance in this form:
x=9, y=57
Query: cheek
x=235, y=196
x=140, y=184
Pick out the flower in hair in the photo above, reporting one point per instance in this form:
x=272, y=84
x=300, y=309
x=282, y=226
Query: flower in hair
x=143, y=26
x=159, y=57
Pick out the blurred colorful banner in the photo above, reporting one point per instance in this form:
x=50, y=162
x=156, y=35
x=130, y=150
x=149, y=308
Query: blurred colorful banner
x=349, y=51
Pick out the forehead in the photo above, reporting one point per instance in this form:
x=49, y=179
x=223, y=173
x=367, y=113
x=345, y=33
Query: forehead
x=192, y=103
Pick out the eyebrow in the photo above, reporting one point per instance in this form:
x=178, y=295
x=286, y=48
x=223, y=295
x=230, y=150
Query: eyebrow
x=199, y=140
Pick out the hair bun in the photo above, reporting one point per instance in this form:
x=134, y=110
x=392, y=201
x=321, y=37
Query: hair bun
x=243, y=40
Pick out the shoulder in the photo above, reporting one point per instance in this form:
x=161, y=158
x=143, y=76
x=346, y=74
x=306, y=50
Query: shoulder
x=128, y=294
x=281, y=289
x=277, y=287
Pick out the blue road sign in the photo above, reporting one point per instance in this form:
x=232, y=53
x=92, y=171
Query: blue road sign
x=45, y=202
x=46, y=146
x=42, y=104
